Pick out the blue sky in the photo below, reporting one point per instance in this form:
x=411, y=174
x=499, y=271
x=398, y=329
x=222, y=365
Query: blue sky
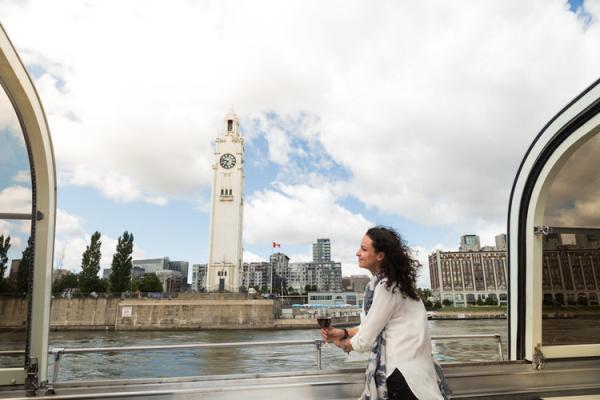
x=409, y=115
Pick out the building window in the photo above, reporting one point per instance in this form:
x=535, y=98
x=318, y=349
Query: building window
x=229, y=125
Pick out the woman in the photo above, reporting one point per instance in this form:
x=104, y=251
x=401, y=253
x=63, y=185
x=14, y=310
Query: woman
x=393, y=323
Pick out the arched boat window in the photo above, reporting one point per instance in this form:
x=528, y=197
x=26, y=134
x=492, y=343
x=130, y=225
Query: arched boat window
x=554, y=228
x=27, y=215
x=15, y=231
x=571, y=249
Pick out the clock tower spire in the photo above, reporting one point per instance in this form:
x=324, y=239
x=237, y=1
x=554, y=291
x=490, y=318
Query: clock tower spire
x=227, y=202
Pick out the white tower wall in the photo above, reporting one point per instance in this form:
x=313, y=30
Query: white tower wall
x=227, y=202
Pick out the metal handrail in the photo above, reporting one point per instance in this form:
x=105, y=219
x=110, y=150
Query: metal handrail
x=11, y=352
x=186, y=346
x=58, y=352
x=15, y=216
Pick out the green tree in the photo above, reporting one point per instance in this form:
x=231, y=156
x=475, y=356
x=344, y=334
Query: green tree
x=491, y=301
x=424, y=293
x=67, y=281
x=25, y=265
x=120, y=277
x=147, y=283
x=310, y=288
x=428, y=305
x=4, y=247
x=437, y=305
x=102, y=286
x=447, y=302
x=90, y=265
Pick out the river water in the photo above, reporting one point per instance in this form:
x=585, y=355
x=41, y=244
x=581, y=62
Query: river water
x=249, y=359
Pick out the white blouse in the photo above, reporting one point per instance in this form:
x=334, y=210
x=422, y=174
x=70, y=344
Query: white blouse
x=407, y=341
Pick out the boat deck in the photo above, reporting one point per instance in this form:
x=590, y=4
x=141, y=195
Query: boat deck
x=499, y=380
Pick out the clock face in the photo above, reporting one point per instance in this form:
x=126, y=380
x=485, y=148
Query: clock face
x=227, y=161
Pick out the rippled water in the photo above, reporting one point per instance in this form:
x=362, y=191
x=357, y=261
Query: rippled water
x=250, y=359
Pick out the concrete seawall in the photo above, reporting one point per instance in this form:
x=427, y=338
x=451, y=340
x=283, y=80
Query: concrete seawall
x=194, y=314
x=146, y=314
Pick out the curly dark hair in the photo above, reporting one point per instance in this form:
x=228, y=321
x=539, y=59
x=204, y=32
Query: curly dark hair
x=398, y=265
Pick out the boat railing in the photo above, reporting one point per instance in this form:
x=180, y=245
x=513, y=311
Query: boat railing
x=59, y=352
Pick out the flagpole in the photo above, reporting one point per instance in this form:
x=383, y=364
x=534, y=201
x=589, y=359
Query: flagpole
x=271, y=264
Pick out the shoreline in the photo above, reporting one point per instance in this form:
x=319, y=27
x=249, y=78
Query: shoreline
x=470, y=315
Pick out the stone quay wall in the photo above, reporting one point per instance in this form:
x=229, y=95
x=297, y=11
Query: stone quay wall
x=145, y=314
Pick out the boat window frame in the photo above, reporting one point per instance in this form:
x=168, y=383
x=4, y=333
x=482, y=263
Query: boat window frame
x=20, y=90
x=563, y=135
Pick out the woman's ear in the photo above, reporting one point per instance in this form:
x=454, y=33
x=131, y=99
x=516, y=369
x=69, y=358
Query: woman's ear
x=379, y=256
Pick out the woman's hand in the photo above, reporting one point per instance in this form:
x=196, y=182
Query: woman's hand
x=345, y=344
x=332, y=334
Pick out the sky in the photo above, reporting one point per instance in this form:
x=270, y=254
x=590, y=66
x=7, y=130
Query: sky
x=414, y=115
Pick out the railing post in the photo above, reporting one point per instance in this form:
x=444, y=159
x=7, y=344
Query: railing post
x=58, y=353
x=500, y=352
x=318, y=344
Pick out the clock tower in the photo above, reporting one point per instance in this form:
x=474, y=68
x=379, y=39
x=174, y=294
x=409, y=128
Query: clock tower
x=225, y=235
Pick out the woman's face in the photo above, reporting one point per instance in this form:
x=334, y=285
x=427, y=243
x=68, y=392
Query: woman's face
x=368, y=257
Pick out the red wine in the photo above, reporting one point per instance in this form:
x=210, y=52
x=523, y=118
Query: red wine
x=324, y=322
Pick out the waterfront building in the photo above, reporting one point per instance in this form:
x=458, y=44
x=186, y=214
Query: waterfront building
x=59, y=273
x=152, y=265
x=325, y=276
x=570, y=272
x=346, y=283
x=170, y=280
x=267, y=276
x=199, y=277
x=297, y=277
x=500, y=241
x=225, y=232
x=465, y=276
x=136, y=272
x=321, y=250
x=106, y=273
x=355, y=283
x=469, y=243
x=571, y=269
x=257, y=274
x=182, y=267
x=335, y=298
x=280, y=264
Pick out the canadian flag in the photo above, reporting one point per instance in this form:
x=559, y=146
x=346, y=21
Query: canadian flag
x=276, y=244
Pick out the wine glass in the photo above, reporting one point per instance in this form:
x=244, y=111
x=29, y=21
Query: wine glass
x=323, y=319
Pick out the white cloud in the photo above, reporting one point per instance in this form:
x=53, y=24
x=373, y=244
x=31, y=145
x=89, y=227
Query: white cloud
x=15, y=199
x=23, y=177
x=8, y=117
x=68, y=224
x=5, y=227
x=279, y=145
x=249, y=257
x=304, y=211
